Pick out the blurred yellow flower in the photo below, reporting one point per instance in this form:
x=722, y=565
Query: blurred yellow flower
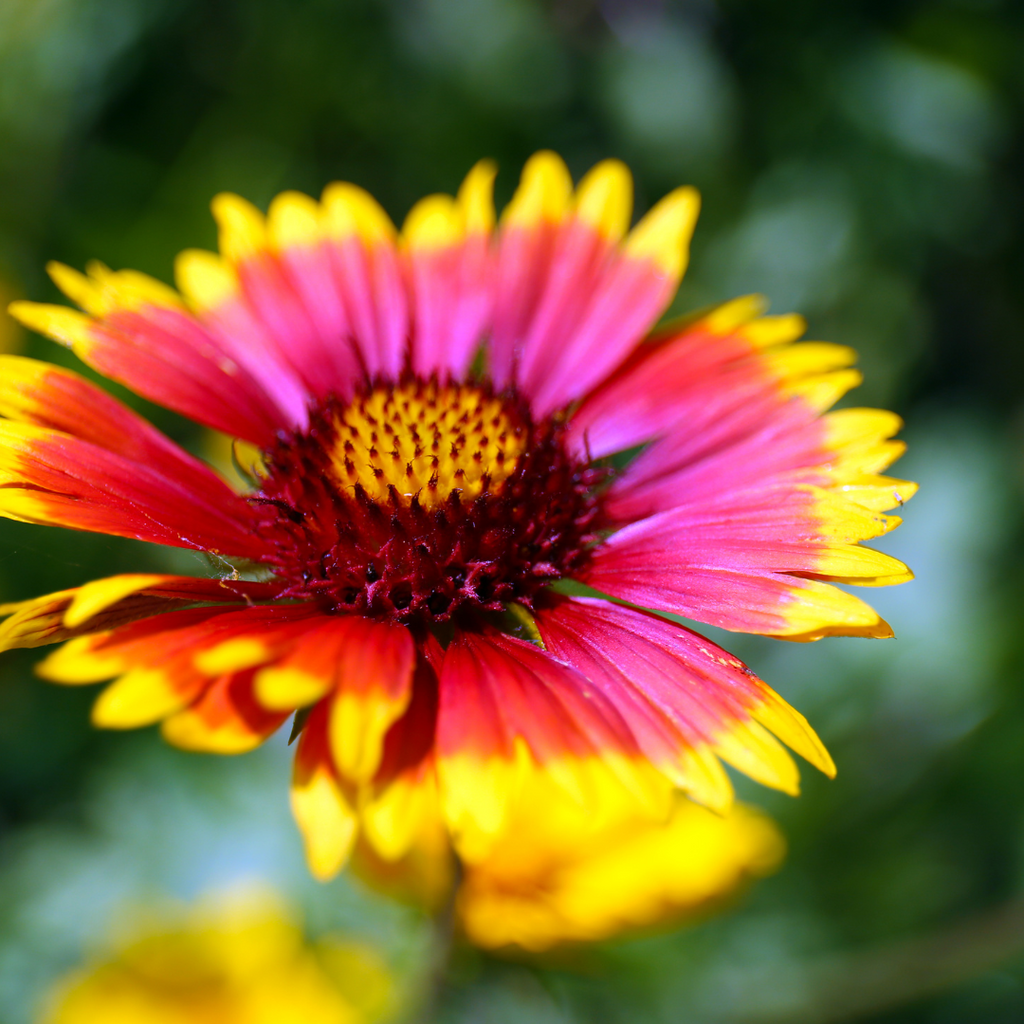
x=561, y=873
x=540, y=889
x=239, y=958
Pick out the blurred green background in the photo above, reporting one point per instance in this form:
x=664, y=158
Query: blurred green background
x=861, y=162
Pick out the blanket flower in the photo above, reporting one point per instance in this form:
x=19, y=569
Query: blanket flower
x=481, y=492
x=233, y=957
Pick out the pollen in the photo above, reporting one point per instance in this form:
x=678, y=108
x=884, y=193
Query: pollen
x=425, y=440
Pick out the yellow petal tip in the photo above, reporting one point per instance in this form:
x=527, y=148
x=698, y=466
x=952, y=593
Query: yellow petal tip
x=68, y=326
x=604, y=199
x=663, y=235
x=327, y=823
x=204, y=278
x=476, y=197
x=242, y=228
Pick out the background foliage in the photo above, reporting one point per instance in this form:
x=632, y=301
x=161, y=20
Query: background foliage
x=860, y=162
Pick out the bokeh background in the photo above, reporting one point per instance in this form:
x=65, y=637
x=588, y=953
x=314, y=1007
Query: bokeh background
x=861, y=162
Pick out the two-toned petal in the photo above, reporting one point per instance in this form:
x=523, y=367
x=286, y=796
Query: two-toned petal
x=447, y=245
x=728, y=402
x=139, y=332
x=362, y=244
x=162, y=665
x=322, y=808
x=50, y=396
x=363, y=669
x=750, y=494
x=574, y=295
x=74, y=456
x=52, y=478
x=686, y=700
x=225, y=718
x=364, y=763
x=250, y=294
x=400, y=809
x=736, y=577
x=105, y=604
x=507, y=708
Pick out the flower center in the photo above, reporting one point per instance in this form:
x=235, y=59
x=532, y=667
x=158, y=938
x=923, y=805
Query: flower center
x=425, y=441
x=418, y=501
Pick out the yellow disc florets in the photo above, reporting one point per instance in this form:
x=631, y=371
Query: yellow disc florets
x=426, y=440
x=417, y=499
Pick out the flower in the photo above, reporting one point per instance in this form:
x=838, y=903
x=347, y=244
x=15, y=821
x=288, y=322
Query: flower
x=233, y=958
x=565, y=875
x=582, y=886
x=437, y=424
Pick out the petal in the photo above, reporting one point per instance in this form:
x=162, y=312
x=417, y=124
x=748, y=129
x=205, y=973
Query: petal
x=529, y=228
x=650, y=395
x=747, y=496
x=858, y=445
x=286, y=302
x=396, y=817
x=363, y=669
x=507, y=707
x=154, y=640
x=738, y=585
x=749, y=561
x=756, y=445
x=423, y=873
x=344, y=744
x=308, y=672
x=166, y=662
x=683, y=697
x=447, y=246
x=402, y=802
x=215, y=294
x=368, y=271
x=224, y=719
x=50, y=396
x=325, y=816
x=374, y=686
x=730, y=402
x=143, y=696
x=576, y=278
x=638, y=875
x=166, y=670
x=108, y=603
x=573, y=300
x=297, y=232
x=49, y=477
x=140, y=334
x=631, y=293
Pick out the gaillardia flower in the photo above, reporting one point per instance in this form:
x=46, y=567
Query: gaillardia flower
x=568, y=876
x=440, y=423
x=576, y=885
x=232, y=958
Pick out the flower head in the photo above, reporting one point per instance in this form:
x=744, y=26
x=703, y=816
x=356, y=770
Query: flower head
x=561, y=874
x=437, y=424
x=237, y=958
x=550, y=889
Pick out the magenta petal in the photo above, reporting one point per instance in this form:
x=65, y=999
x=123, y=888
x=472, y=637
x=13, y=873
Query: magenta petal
x=309, y=333
x=452, y=298
x=721, y=561
x=651, y=669
x=166, y=356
